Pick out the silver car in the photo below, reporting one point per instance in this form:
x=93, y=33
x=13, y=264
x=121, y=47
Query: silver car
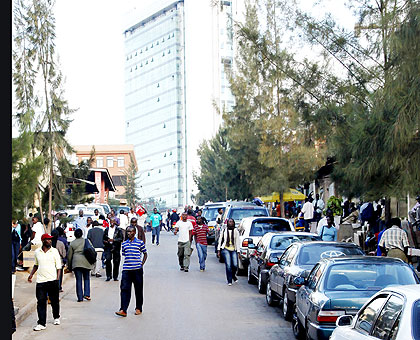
x=392, y=313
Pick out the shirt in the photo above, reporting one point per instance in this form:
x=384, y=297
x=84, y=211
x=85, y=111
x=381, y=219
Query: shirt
x=308, y=211
x=328, y=234
x=183, y=232
x=48, y=263
x=200, y=233
x=38, y=228
x=80, y=221
x=394, y=237
x=133, y=254
x=319, y=206
x=155, y=220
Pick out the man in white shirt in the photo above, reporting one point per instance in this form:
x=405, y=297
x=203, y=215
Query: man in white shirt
x=88, y=226
x=39, y=230
x=318, y=207
x=132, y=214
x=308, y=213
x=124, y=221
x=48, y=268
x=185, y=228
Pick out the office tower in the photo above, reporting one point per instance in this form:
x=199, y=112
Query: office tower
x=155, y=104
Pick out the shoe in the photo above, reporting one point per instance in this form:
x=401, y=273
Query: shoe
x=235, y=280
x=56, y=321
x=185, y=270
x=108, y=279
x=20, y=269
x=229, y=284
x=80, y=300
x=115, y=279
x=93, y=274
x=157, y=244
x=137, y=312
x=181, y=269
x=87, y=298
x=98, y=275
x=121, y=313
x=39, y=327
x=201, y=270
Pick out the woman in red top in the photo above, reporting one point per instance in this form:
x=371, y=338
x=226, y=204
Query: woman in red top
x=200, y=232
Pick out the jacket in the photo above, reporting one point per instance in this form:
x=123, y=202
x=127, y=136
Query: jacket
x=96, y=237
x=221, y=244
x=118, y=238
x=75, y=257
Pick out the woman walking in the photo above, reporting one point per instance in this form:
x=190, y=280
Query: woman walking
x=77, y=262
x=328, y=232
x=228, y=247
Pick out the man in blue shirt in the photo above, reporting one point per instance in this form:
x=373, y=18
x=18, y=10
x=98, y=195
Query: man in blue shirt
x=155, y=221
x=135, y=256
x=80, y=221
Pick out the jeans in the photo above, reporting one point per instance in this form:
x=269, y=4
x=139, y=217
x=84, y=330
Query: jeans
x=202, y=255
x=44, y=289
x=82, y=273
x=129, y=277
x=155, y=232
x=112, y=263
x=231, y=263
x=184, y=253
x=15, y=253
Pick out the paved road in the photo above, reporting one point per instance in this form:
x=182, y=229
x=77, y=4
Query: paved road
x=178, y=305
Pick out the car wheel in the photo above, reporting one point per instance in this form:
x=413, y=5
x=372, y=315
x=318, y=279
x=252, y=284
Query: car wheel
x=287, y=306
x=261, y=286
x=269, y=296
x=298, y=330
x=251, y=279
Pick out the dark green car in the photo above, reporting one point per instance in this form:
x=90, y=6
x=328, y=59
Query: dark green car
x=341, y=285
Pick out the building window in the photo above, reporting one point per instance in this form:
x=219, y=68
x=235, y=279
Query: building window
x=110, y=162
x=85, y=159
x=99, y=162
x=119, y=181
x=120, y=162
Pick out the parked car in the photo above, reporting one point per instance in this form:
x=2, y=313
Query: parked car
x=106, y=207
x=237, y=210
x=252, y=229
x=90, y=208
x=297, y=261
x=122, y=207
x=341, y=286
x=392, y=313
x=268, y=250
x=210, y=212
x=72, y=215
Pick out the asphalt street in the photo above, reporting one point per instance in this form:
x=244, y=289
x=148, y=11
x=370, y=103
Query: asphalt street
x=177, y=305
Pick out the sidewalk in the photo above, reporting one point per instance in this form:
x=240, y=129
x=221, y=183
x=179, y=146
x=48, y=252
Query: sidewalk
x=24, y=299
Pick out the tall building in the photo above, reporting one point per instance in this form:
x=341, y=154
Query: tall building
x=155, y=112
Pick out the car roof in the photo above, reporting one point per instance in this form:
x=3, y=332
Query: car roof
x=243, y=203
x=366, y=259
x=344, y=244
x=265, y=218
x=406, y=290
x=291, y=233
x=215, y=204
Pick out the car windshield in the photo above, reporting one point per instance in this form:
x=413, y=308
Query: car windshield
x=368, y=276
x=310, y=255
x=281, y=242
x=261, y=227
x=239, y=213
x=211, y=213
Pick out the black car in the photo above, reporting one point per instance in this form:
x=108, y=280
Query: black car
x=267, y=252
x=297, y=261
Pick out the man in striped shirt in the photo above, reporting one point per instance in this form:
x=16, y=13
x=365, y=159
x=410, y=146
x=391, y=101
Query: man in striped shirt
x=135, y=256
x=394, y=240
x=200, y=231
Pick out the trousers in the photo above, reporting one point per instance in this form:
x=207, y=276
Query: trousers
x=184, y=253
x=43, y=290
x=129, y=278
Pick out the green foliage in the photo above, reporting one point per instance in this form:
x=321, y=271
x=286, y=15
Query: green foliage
x=130, y=183
x=334, y=203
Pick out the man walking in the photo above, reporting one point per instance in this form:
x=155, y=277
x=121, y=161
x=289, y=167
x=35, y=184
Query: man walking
x=135, y=256
x=394, y=240
x=200, y=232
x=318, y=207
x=48, y=268
x=308, y=213
x=155, y=221
x=113, y=237
x=185, y=229
x=140, y=234
x=39, y=230
x=96, y=237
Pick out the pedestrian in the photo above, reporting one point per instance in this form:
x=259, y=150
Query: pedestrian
x=96, y=215
x=96, y=237
x=155, y=222
x=139, y=230
x=414, y=213
x=174, y=218
x=278, y=209
x=200, y=232
x=48, y=266
x=38, y=229
x=59, y=245
x=16, y=243
x=394, y=240
x=318, y=207
x=185, y=229
x=87, y=227
x=80, y=221
x=228, y=247
x=123, y=221
x=113, y=237
x=353, y=216
x=307, y=212
x=135, y=256
x=77, y=262
x=218, y=227
x=328, y=232
x=323, y=221
x=27, y=235
x=62, y=238
x=200, y=214
x=141, y=220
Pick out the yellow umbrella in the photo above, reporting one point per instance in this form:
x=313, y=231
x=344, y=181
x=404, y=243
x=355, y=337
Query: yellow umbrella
x=291, y=195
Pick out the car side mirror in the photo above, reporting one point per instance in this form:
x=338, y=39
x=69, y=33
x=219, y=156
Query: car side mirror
x=252, y=246
x=299, y=281
x=344, y=320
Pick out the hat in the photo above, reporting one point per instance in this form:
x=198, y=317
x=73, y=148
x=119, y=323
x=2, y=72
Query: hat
x=45, y=236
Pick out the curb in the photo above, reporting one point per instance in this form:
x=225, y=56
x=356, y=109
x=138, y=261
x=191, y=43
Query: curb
x=30, y=307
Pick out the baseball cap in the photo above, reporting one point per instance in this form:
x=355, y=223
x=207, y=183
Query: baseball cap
x=45, y=236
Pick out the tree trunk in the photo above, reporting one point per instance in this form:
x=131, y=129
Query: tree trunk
x=40, y=205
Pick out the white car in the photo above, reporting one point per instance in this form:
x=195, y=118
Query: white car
x=392, y=313
x=252, y=229
x=73, y=214
x=90, y=208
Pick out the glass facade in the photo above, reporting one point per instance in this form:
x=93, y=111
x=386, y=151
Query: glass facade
x=155, y=104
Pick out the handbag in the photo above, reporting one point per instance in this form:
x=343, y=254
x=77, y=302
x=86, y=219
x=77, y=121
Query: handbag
x=89, y=252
